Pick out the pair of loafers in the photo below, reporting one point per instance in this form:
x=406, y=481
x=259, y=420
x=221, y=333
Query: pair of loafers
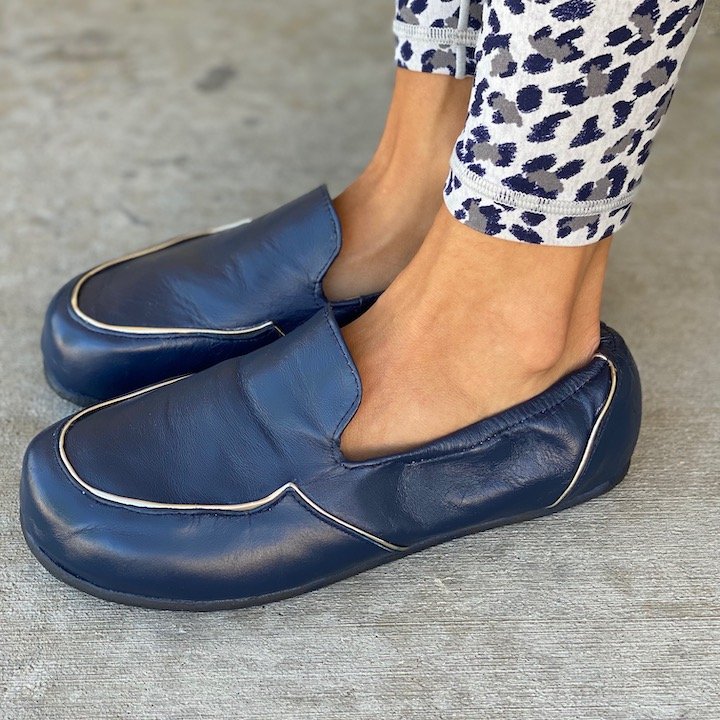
x=216, y=479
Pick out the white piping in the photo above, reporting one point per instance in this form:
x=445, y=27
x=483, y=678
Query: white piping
x=142, y=330
x=596, y=428
x=290, y=486
x=236, y=507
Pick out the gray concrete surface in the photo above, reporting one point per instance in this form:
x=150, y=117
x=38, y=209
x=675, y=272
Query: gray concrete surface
x=124, y=121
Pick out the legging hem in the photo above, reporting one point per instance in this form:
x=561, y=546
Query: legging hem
x=441, y=51
x=525, y=222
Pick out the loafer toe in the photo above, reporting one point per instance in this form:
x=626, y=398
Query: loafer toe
x=202, y=559
x=86, y=363
x=192, y=302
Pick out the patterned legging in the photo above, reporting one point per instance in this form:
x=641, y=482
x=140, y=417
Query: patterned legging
x=567, y=98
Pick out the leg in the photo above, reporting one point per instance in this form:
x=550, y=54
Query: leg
x=566, y=102
x=387, y=211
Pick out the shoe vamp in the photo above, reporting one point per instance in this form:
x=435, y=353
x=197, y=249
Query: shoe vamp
x=201, y=440
x=225, y=281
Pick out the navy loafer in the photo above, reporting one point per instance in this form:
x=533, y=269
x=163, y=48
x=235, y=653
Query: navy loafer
x=228, y=488
x=192, y=302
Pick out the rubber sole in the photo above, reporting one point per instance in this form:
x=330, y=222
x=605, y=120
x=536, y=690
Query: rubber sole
x=74, y=398
x=233, y=604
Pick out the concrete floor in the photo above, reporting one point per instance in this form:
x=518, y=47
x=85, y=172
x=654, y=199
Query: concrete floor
x=125, y=121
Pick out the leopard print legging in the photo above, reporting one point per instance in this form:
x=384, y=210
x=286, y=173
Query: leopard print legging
x=567, y=98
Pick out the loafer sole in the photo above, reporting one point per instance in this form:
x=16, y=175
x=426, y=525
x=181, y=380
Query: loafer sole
x=69, y=578
x=65, y=394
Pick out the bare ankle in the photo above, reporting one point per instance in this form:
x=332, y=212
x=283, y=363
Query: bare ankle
x=541, y=306
x=387, y=211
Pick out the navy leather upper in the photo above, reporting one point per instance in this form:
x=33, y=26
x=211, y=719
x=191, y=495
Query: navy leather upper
x=267, y=271
x=227, y=441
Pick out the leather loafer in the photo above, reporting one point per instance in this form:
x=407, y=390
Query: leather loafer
x=192, y=302
x=228, y=488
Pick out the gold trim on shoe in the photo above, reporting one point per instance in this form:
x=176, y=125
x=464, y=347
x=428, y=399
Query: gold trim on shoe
x=593, y=434
x=142, y=330
x=238, y=507
x=289, y=487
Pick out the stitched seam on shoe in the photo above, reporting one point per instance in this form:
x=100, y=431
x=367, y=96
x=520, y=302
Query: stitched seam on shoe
x=88, y=321
x=189, y=512
x=219, y=513
x=353, y=372
x=148, y=510
x=347, y=531
x=551, y=409
x=612, y=339
x=239, y=334
x=593, y=451
x=318, y=291
x=537, y=413
x=358, y=534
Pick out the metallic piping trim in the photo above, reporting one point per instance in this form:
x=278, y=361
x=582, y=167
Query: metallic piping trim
x=239, y=507
x=141, y=330
x=594, y=432
x=290, y=486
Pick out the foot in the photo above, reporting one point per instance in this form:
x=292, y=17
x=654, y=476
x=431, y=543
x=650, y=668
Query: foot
x=387, y=211
x=116, y=500
x=472, y=326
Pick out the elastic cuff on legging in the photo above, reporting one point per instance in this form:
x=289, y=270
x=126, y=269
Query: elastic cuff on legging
x=443, y=51
x=510, y=215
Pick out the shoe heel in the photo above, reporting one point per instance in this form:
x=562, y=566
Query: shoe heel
x=612, y=448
